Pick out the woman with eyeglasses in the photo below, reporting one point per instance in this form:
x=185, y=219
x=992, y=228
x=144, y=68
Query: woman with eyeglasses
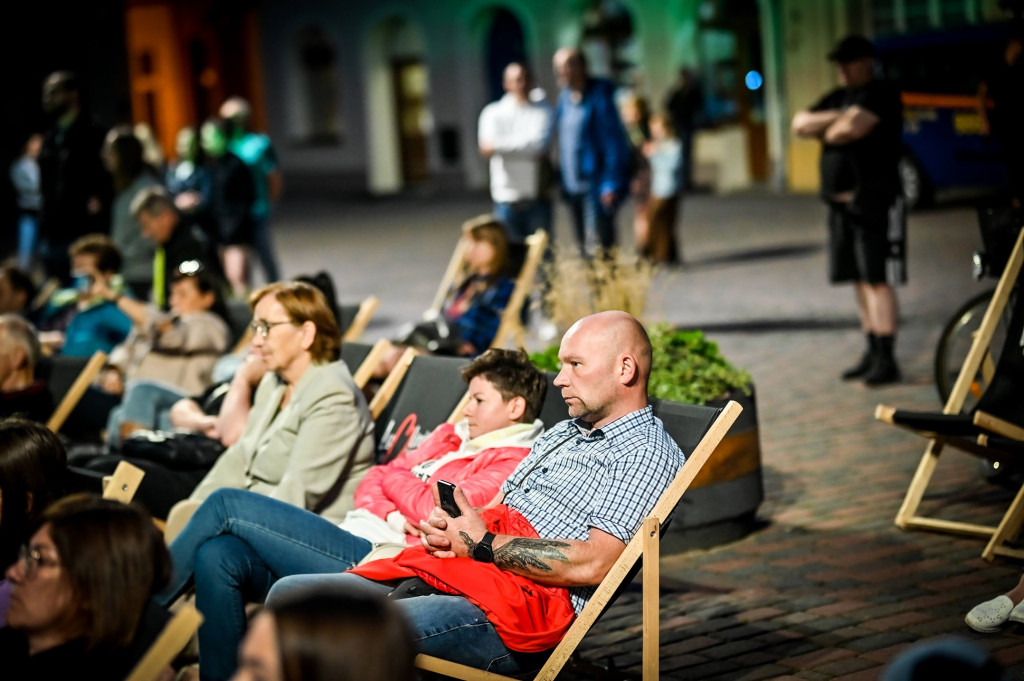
x=81, y=592
x=32, y=470
x=308, y=440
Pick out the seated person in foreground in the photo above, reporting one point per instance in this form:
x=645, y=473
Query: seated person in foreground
x=238, y=543
x=309, y=437
x=33, y=466
x=82, y=588
x=530, y=560
x=471, y=313
x=328, y=636
x=78, y=321
x=20, y=392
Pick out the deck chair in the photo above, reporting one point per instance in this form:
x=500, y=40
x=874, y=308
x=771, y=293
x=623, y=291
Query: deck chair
x=68, y=378
x=999, y=412
x=354, y=319
x=418, y=395
x=511, y=326
x=175, y=635
x=712, y=424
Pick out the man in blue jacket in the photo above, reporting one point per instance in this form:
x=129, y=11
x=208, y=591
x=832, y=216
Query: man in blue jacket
x=593, y=151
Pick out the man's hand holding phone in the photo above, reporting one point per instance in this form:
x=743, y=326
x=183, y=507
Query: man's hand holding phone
x=451, y=521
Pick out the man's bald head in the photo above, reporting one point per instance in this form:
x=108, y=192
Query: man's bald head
x=516, y=81
x=606, y=364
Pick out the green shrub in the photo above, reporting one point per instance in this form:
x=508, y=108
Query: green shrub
x=687, y=367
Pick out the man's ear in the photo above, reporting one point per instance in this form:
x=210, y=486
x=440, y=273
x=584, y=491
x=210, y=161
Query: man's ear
x=516, y=408
x=627, y=370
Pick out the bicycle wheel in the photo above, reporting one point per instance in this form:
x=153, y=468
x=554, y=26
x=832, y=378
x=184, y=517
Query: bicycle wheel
x=955, y=342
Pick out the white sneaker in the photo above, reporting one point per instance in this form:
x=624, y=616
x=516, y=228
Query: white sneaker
x=990, y=616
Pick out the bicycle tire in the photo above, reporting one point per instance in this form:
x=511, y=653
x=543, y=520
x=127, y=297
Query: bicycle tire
x=955, y=342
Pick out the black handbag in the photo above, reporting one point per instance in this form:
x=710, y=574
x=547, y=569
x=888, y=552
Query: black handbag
x=182, y=451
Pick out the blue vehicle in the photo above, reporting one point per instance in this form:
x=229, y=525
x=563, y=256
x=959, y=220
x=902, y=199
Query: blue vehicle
x=947, y=138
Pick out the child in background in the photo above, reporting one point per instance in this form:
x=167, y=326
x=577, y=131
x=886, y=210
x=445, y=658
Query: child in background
x=665, y=154
x=25, y=178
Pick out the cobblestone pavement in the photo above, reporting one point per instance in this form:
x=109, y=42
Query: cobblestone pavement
x=828, y=587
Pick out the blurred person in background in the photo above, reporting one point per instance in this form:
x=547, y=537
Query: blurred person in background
x=16, y=290
x=21, y=393
x=593, y=151
x=25, y=178
x=685, y=104
x=122, y=156
x=860, y=126
x=178, y=239
x=257, y=152
x=665, y=156
x=514, y=134
x=76, y=188
x=78, y=321
x=228, y=214
x=186, y=178
x=634, y=114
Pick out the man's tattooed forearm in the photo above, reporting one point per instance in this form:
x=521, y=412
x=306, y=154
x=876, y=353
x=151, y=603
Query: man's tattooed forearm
x=530, y=554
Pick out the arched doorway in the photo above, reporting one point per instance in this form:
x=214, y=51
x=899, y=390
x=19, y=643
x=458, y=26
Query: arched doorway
x=318, y=120
x=504, y=44
x=398, y=114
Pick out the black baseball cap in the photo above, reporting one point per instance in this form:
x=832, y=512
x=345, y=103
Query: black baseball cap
x=851, y=48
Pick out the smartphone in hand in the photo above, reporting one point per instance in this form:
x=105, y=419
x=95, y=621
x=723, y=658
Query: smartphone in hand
x=446, y=492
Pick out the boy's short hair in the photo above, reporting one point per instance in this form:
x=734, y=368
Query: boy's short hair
x=100, y=246
x=513, y=375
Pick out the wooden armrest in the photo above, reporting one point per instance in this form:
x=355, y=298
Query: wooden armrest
x=884, y=413
x=998, y=425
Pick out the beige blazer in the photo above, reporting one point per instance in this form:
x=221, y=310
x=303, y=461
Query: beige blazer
x=312, y=454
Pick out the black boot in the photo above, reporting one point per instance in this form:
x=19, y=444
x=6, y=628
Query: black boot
x=866, y=361
x=884, y=369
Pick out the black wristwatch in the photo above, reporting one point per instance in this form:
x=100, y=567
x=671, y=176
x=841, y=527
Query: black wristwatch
x=483, y=552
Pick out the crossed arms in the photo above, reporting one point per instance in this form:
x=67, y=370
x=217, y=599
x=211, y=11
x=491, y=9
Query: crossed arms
x=835, y=126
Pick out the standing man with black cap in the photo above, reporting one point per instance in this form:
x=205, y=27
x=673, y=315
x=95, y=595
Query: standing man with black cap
x=860, y=126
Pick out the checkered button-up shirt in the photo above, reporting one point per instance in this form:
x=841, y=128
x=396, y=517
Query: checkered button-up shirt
x=609, y=478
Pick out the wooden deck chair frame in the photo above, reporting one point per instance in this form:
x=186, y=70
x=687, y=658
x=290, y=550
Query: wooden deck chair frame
x=908, y=517
x=364, y=372
x=168, y=644
x=390, y=384
x=367, y=308
x=644, y=543
x=77, y=390
x=511, y=326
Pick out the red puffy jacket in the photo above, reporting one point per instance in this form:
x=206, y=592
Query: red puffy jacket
x=392, y=487
x=529, y=617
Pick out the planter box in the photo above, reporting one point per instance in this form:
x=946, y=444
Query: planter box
x=722, y=503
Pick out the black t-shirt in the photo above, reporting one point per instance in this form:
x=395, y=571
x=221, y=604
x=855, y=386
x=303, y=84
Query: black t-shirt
x=834, y=164
x=868, y=166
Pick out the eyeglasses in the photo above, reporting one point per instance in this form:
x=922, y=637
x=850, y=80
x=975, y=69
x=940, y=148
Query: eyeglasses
x=263, y=327
x=34, y=559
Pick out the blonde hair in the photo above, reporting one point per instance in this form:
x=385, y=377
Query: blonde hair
x=489, y=229
x=306, y=303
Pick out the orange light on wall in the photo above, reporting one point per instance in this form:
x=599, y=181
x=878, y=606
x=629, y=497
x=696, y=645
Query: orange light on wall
x=160, y=91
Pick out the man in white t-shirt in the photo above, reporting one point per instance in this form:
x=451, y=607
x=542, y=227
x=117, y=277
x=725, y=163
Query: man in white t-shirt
x=515, y=133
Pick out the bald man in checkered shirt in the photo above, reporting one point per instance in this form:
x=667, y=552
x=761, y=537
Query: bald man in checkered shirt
x=494, y=586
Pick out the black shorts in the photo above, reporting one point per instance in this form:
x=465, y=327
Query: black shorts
x=868, y=250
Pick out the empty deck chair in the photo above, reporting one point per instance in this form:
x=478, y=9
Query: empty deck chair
x=997, y=417
x=67, y=379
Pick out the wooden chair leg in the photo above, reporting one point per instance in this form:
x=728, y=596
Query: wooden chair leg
x=915, y=492
x=1008, y=528
x=652, y=597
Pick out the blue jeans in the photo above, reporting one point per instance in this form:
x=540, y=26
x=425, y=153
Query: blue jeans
x=594, y=224
x=523, y=218
x=147, y=403
x=444, y=626
x=235, y=547
x=28, y=237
